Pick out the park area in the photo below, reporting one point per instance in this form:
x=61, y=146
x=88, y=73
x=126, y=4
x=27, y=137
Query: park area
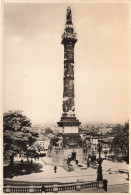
x=41, y=171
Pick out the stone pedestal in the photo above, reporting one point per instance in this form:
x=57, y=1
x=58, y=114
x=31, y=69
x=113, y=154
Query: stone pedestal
x=72, y=140
x=71, y=129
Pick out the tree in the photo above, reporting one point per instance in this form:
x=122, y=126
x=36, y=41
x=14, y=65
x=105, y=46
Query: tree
x=17, y=134
x=48, y=131
x=120, y=142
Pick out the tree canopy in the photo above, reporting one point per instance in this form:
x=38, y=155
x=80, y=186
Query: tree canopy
x=120, y=142
x=17, y=134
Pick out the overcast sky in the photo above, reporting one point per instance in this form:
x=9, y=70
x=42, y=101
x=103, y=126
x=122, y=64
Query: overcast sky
x=33, y=60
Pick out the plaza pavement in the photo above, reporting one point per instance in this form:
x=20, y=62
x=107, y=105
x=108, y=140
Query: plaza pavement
x=48, y=175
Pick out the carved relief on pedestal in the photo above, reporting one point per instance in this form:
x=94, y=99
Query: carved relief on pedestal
x=68, y=106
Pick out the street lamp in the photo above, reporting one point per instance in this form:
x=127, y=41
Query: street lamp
x=99, y=160
x=27, y=151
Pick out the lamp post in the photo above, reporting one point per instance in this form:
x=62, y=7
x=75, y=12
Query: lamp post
x=99, y=160
x=27, y=151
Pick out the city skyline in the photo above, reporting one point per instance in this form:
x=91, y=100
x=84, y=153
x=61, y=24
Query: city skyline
x=33, y=60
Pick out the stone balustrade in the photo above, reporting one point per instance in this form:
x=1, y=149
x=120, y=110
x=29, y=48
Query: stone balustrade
x=56, y=188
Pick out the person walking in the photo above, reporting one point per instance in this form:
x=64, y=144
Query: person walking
x=55, y=168
x=43, y=189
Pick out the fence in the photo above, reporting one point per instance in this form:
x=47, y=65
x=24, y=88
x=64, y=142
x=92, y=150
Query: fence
x=56, y=188
x=22, y=189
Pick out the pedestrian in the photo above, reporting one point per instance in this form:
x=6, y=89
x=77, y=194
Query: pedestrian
x=68, y=161
x=88, y=164
x=43, y=189
x=55, y=168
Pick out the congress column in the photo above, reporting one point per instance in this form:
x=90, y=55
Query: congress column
x=68, y=120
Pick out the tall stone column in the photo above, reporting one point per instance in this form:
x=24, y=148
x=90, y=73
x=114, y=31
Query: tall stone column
x=68, y=120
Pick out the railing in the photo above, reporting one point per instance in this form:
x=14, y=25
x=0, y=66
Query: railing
x=56, y=188
x=22, y=189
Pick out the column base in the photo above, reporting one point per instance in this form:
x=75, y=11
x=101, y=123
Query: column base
x=71, y=137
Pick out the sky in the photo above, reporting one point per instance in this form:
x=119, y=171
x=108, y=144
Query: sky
x=33, y=60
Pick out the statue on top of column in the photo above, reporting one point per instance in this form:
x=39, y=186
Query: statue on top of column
x=69, y=16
